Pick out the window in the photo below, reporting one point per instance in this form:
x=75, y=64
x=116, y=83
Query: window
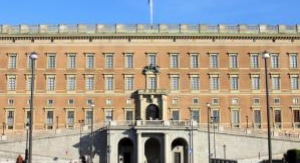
x=90, y=60
x=51, y=60
x=70, y=119
x=128, y=101
x=195, y=83
x=108, y=102
x=274, y=61
x=12, y=62
x=257, y=118
x=174, y=61
x=71, y=61
x=277, y=116
x=175, y=115
x=293, y=60
x=194, y=61
x=295, y=100
x=70, y=102
x=254, y=61
x=296, y=116
x=71, y=83
x=151, y=59
x=255, y=80
x=275, y=82
x=256, y=101
x=233, y=61
x=195, y=115
x=29, y=62
x=108, y=115
x=50, y=83
x=235, y=101
x=50, y=102
x=152, y=83
x=215, y=115
x=10, y=119
x=88, y=116
x=109, y=60
x=235, y=117
x=129, y=116
x=195, y=101
x=89, y=83
x=277, y=101
x=294, y=82
x=128, y=83
x=49, y=119
x=89, y=102
x=214, y=83
x=214, y=61
x=11, y=83
x=28, y=83
x=175, y=83
x=128, y=60
x=215, y=101
x=11, y=102
x=109, y=83
x=27, y=114
x=234, y=83
x=175, y=101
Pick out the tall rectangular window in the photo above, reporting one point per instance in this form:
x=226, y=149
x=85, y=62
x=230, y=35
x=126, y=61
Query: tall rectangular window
x=293, y=60
x=128, y=60
x=254, y=61
x=235, y=117
x=277, y=116
x=296, y=116
x=129, y=115
x=129, y=83
x=11, y=83
x=70, y=118
x=90, y=60
x=71, y=61
x=233, y=61
x=195, y=115
x=274, y=60
x=194, y=61
x=234, y=83
x=175, y=82
x=108, y=115
x=216, y=115
x=214, y=83
x=28, y=83
x=50, y=118
x=195, y=83
x=151, y=59
x=255, y=80
x=88, y=116
x=257, y=117
x=89, y=83
x=71, y=83
x=12, y=62
x=152, y=83
x=109, y=61
x=175, y=115
x=109, y=83
x=294, y=82
x=50, y=83
x=214, y=61
x=10, y=119
x=276, y=83
x=174, y=61
x=51, y=61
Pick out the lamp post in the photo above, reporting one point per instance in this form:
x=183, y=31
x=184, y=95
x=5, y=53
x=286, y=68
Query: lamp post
x=224, y=148
x=57, y=122
x=33, y=57
x=26, y=150
x=192, y=138
x=208, y=131
x=213, y=122
x=81, y=122
x=266, y=56
x=3, y=128
x=92, y=136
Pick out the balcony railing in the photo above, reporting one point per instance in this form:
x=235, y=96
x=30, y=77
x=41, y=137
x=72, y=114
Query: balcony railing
x=147, y=29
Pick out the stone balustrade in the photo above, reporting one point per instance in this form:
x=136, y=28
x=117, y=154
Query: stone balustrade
x=141, y=29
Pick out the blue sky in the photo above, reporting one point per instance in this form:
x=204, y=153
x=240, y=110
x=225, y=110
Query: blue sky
x=137, y=11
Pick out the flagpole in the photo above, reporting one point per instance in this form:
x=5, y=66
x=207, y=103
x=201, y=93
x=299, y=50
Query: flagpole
x=151, y=10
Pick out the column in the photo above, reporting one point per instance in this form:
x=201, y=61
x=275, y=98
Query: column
x=164, y=107
x=167, y=148
x=139, y=149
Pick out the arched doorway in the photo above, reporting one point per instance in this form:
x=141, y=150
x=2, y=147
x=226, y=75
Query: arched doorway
x=179, y=151
x=153, y=151
x=152, y=112
x=125, y=151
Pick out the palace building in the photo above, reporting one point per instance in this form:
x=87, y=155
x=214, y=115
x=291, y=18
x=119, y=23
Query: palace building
x=150, y=84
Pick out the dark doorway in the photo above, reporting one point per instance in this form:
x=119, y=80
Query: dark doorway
x=180, y=150
x=153, y=151
x=152, y=112
x=127, y=157
x=125, y=151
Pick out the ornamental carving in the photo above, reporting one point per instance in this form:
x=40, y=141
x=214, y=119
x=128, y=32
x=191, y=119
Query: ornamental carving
x=151, y=68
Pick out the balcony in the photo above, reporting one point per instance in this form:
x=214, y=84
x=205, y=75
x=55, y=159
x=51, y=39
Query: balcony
x=152, y=92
